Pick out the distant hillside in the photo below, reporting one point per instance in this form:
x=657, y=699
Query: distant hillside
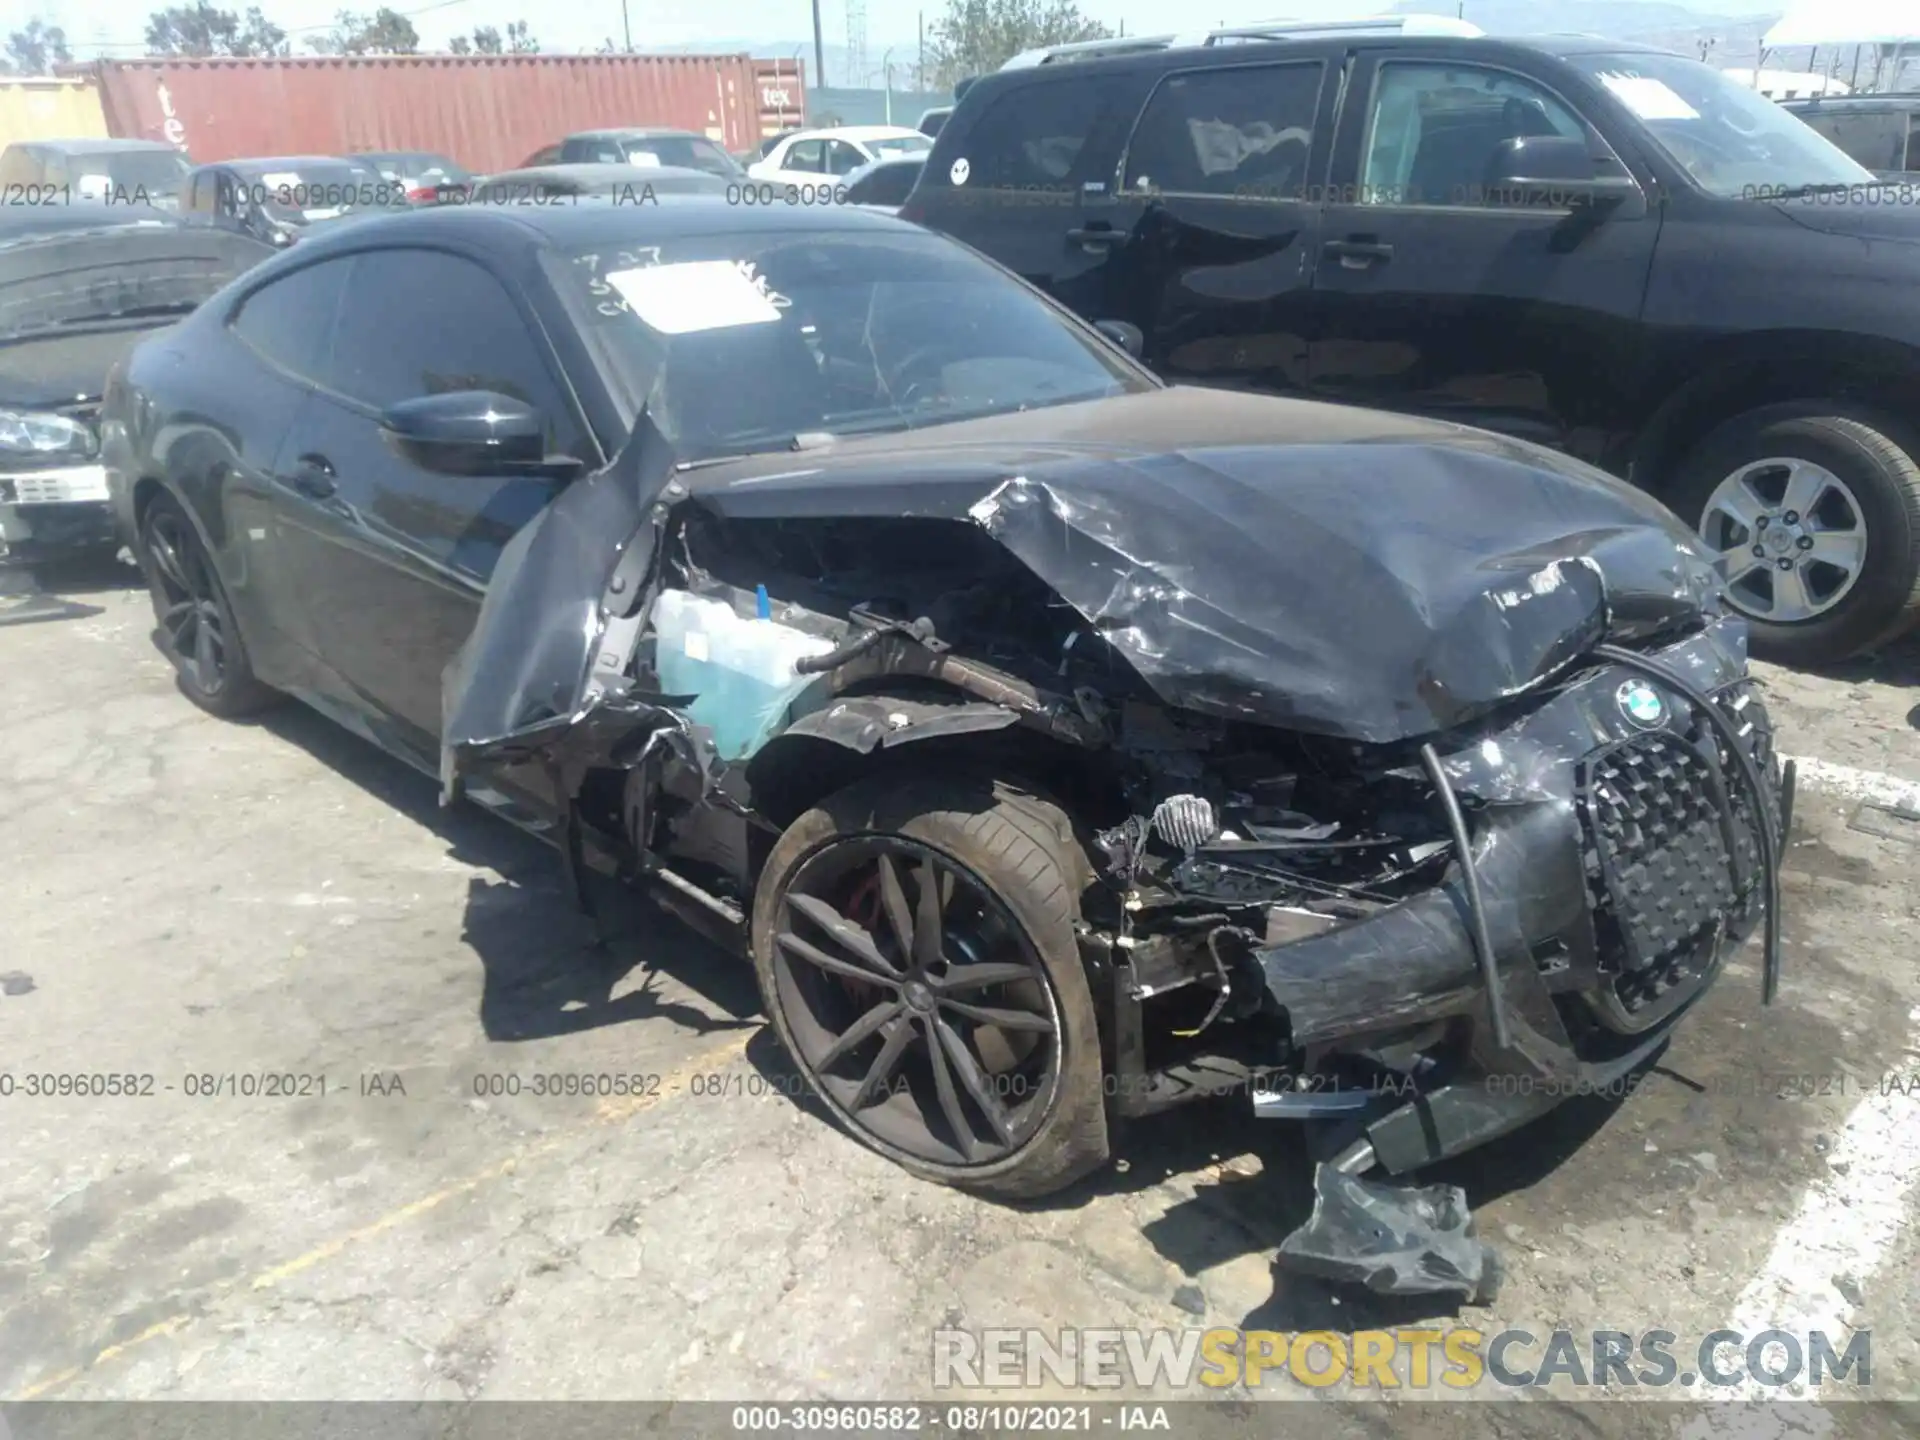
x=1735, y=24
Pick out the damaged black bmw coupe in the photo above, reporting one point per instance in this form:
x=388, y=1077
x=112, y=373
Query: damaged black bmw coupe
x=1060, y=745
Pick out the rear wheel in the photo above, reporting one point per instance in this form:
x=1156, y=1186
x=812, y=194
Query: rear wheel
x=196, y=631
x=1813, y=519
x=915, y=949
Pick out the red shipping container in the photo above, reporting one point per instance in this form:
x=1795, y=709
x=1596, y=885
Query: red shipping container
x=488, y=112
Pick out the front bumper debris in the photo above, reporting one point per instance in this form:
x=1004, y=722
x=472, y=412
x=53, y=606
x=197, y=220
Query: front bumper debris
x=1394, y=1240
x=1619, y=863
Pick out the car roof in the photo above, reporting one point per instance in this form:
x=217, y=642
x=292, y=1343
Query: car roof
x=1253, y=52
x=604, y=173
x=20, y=222
x=97, y=145
x=568, y=226
x=635, y=132
x=860, y=132
x=278, y=162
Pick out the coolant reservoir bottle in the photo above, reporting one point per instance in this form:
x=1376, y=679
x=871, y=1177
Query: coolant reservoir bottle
x=740, y=669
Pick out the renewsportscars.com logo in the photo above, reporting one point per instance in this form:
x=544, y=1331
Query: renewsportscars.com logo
x=1446, y=1360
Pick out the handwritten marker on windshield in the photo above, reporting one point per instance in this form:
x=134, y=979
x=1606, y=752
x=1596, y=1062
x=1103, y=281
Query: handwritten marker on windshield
x=763, y=607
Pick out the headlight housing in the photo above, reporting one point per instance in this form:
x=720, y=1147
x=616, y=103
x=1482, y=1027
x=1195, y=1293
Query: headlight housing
x=45, y=436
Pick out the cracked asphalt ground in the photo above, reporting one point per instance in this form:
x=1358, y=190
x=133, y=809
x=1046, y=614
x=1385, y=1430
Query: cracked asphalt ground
x=183, y=897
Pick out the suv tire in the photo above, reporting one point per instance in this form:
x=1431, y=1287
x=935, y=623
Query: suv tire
x=1879, y=483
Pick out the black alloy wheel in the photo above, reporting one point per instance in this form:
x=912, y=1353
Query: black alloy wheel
x=190, y=616
x=916, y=1001
x=916, y=950
x=196, y=631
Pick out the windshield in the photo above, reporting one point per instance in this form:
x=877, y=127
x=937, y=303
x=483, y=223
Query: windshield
x=734, y=344
x=158, y=172
x=900, y=145
x=1731, y=139
x=305, y=193
x=687, y=151
x=429, y=169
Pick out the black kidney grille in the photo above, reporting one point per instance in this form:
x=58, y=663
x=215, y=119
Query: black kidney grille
x=1657, y=859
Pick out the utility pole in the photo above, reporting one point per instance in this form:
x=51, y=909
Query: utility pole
x=626, y=24
x=819, y=49
x=920, y=70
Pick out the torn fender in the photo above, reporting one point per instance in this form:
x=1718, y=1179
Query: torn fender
x=554, y=633
x=865, y=723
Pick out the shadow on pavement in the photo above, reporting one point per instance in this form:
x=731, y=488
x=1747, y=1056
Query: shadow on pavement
x=548, y=971
x=1897, y=663
x=1234, y=1214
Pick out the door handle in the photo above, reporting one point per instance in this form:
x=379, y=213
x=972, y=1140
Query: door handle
x=313, y=477
x=1357, y=252
x=1094, y=235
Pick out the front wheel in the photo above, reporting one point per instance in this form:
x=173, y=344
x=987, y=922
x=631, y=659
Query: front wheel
x=915, y=948
x=1813, y=519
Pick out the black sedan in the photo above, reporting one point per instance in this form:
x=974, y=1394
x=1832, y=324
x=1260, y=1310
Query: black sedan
x=1059, y=745
x=277, y=200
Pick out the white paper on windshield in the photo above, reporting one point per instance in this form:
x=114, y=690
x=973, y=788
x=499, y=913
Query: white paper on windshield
x=645, y=159
x=696, y=295
x=332, y=214
x=1648, y=98
x=280, y=180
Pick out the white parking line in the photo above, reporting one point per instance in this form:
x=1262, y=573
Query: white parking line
x=1854, y=784
x=1850, y=1218
x=1846, y=1224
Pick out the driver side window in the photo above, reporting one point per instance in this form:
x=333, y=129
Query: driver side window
x=424, y=322
x=1435, y=132
x=290, y=320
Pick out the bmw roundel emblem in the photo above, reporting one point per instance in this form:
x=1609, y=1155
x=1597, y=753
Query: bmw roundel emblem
x=1641, y=704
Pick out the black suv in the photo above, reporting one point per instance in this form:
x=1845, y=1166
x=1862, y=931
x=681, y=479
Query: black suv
x=1598, y=246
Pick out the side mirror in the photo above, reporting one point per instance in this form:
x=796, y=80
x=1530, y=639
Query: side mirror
x=1552, y=170
x=470, y=432
x=1127, y=336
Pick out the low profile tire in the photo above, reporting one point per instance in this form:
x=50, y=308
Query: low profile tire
x=914, y=943
x=1814, y=520
x=196, y=629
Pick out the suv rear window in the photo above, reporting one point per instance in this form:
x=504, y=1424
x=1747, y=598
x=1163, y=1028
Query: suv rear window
x=1031, y=137
x=1243, y=131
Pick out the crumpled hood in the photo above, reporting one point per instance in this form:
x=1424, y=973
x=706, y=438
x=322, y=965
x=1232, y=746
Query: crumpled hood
x=1376, y=592
x=1398, y=582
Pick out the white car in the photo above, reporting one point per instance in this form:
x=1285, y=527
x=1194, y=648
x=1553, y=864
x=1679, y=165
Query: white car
x=814, y=157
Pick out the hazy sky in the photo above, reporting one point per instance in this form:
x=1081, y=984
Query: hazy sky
x=115, y=27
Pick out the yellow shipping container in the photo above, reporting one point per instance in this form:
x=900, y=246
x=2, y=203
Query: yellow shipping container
x=46, y=108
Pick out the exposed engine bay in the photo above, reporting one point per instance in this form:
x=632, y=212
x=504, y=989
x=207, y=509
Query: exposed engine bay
x=1360, y=826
